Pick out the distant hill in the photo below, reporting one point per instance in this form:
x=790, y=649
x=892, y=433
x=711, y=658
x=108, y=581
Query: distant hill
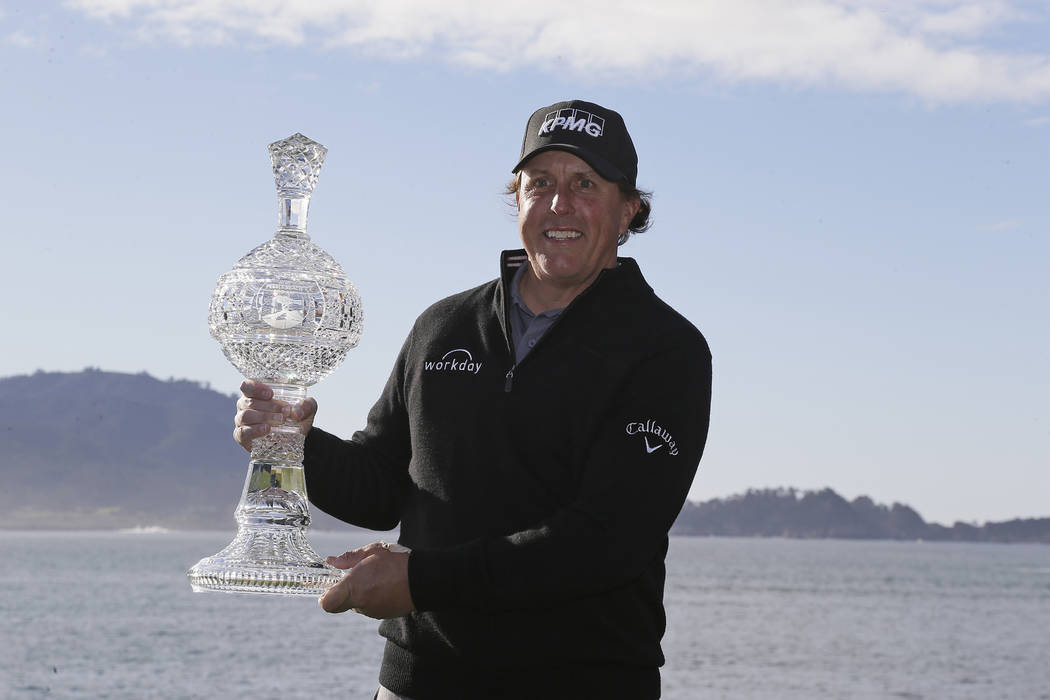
x=825, y=514
x=96, y=449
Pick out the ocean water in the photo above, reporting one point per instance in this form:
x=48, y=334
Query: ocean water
x=110, y=615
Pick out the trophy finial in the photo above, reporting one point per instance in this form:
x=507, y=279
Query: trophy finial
x=297, y=162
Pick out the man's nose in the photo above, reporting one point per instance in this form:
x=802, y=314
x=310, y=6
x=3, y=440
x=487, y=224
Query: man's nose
x=561, y=203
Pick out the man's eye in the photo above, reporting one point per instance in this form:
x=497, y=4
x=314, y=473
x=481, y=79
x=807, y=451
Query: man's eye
x=540, y=182
x=586, y=183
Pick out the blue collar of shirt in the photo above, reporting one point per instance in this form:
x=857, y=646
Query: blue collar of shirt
x=515, y=296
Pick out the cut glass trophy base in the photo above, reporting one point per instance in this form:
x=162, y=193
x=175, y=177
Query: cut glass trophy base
x=275, y=560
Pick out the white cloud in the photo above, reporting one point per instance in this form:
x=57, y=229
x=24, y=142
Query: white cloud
x=1004, y=225
x=968, y=18
x=1037, y=121
x=929, y=48
x=21, y=39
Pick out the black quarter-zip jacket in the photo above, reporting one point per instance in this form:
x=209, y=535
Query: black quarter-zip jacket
x=536, y=498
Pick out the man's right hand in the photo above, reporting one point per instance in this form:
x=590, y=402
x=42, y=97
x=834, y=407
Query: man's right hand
x=257, y=411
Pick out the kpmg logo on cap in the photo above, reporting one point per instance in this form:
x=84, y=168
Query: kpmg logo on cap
x=572, y=120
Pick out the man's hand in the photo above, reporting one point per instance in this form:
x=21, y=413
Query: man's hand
x=257, y=411
x=376, y=585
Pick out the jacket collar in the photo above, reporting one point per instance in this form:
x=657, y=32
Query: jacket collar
x=624, y=279
x=511, y=260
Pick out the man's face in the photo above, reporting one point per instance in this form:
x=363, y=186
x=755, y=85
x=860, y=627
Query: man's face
x=569, y=218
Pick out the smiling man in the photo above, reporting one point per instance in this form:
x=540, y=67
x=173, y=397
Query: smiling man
x=535, y=442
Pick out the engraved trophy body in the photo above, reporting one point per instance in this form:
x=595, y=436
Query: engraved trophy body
x=285, y=315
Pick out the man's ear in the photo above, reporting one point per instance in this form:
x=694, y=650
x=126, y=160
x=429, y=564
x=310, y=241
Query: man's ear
x=633, y=204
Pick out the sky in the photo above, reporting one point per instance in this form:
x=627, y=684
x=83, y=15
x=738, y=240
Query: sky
x=850, y=201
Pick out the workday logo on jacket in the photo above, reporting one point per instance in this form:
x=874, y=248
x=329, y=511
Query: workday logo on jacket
x=458, y=360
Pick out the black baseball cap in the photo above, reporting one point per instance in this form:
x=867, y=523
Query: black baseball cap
x=592, y=132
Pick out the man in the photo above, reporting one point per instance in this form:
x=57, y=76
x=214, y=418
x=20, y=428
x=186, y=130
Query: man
x=535, y=441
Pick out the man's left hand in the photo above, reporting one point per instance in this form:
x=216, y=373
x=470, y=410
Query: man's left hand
x=376, y=584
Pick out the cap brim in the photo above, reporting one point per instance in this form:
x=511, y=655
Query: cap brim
x=600, y=165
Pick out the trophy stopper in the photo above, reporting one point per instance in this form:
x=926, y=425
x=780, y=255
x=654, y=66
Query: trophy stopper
x=297, y=162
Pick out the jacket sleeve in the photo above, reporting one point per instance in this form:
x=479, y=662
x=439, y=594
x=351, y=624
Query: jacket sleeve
x=363, y=480
x=636, y=477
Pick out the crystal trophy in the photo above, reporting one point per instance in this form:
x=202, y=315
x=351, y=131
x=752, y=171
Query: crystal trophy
x=285, y=315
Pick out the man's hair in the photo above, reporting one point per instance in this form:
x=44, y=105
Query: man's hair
x=639, y=224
